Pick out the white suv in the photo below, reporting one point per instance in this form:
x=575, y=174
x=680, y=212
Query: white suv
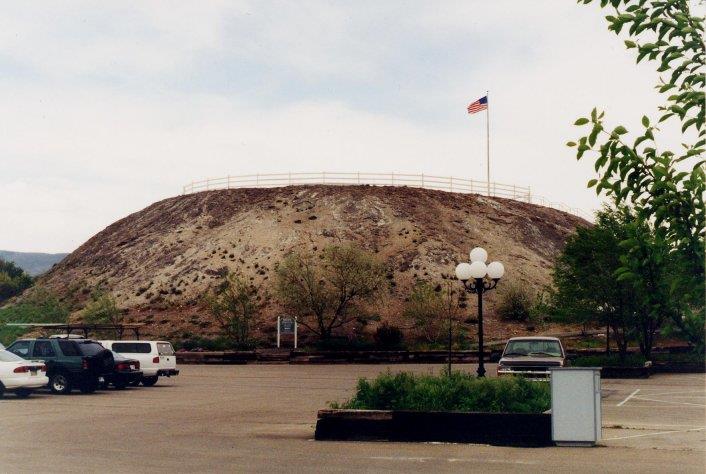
x=157, y=358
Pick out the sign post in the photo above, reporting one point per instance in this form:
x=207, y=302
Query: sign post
x=287, y=325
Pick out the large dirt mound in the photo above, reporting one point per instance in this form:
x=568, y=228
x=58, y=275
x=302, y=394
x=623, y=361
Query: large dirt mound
x=160, y=261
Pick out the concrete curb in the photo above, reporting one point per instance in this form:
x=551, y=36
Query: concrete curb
x=500, y=429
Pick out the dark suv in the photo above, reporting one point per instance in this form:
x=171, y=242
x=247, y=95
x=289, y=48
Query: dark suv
x=70, y=362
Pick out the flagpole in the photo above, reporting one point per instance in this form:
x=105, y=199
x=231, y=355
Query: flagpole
x=487, y=137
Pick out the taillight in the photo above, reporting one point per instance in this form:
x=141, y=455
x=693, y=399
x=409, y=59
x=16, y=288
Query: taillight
x=21, y=370
x=43, y=368
x=122, y=366
x=137, y=364
x=84, y=364
x=155, y=359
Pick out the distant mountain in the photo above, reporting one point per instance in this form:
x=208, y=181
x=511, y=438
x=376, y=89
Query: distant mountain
x=33, y=263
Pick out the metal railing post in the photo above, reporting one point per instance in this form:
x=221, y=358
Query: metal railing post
x=422, y=180
x=392, y=178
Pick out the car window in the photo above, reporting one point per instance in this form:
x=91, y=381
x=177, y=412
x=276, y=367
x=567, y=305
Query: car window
x=43, y=349
x=533, y=347
x=68, y=348
x=20, y=348
x=7, y=356
x=165, y=349
x=132, y=347
x=90, y=348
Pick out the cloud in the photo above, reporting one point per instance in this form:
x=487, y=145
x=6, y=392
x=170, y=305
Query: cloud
x=110, y=108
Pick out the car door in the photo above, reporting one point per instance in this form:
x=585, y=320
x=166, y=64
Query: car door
x=44, y=350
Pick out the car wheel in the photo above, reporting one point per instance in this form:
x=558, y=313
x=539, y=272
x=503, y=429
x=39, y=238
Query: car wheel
x=2, y=389
x=60, y=384
x=120, y=385
x=89, y=386
x=149, y=381
x=23, y=392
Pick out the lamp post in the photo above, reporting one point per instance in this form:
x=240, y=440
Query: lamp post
x=477, y=277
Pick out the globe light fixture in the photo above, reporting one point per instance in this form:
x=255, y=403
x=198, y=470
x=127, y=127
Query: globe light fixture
x=479, y=254
x=496, y=270
x=463, y=271
x=477, y=277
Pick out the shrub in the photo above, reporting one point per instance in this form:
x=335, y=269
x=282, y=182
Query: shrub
x=388, y=336
x=631, y=360
x=516, y=303
x=221, y=343
x=455, y=392
x=343, y=343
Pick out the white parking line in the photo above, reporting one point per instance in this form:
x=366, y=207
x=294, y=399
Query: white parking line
x=671, y=402
x=654, y=434
x=628, y=398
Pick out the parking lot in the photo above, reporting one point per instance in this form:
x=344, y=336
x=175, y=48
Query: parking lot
x=260, y=418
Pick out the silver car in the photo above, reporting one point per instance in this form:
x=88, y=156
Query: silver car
x=531, y=357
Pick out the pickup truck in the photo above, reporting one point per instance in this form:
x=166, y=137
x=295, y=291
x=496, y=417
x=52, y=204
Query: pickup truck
x=531, y=357
x=70, y=363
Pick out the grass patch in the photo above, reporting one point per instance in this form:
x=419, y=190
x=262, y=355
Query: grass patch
x=456, y=392
x=40, y=307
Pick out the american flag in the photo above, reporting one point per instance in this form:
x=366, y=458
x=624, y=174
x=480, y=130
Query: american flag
x=477, y=106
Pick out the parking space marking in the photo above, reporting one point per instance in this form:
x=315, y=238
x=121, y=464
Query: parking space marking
x=700, y=394
x=654, y=434
x=669, y=401
x=628, y=398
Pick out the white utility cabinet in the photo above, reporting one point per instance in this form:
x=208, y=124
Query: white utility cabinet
x=576, y=405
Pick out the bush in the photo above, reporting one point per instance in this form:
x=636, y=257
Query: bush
x=212, y=344
x=388, y=336
x=455, y=392
x=613, y=360
x=343, y=343
x=515, y=303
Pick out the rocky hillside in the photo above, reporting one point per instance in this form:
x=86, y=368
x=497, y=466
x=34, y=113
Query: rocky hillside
x=160, y=261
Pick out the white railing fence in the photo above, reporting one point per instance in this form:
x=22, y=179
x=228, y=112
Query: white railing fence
x=440, y=183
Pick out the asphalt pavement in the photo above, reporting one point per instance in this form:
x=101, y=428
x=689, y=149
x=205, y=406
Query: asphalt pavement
x=260, y=418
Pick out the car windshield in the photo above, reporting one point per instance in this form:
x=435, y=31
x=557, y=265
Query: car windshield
x=90, y=348
x=532, y=347
x=9, y=357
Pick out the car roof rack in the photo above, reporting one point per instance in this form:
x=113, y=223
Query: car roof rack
x=119, y=329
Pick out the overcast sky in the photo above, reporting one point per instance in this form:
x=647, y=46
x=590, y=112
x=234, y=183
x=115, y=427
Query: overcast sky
x=110, y=106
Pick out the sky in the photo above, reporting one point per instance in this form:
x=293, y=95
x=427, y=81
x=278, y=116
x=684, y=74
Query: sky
x=108, y=107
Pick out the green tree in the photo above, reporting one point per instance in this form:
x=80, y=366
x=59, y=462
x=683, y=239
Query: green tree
x=424, y=310
x=515, y=302
x=586, y=287
x=235, y=305
x=327, y=293
x=665, y=188
x=103, y=309
x=13, y=280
